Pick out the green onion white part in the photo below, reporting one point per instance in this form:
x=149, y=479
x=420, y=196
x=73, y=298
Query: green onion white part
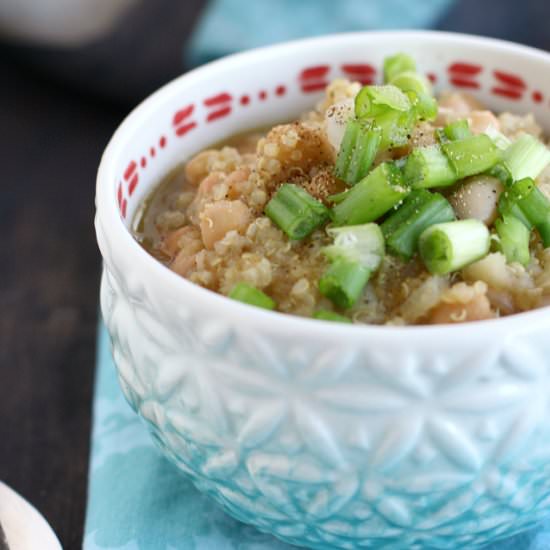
x=363, y=244
x=447, y=247
x=526, y=157
x=499, y=139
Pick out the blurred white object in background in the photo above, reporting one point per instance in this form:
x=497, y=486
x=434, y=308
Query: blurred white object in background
x=60, y=22
x=23, y=526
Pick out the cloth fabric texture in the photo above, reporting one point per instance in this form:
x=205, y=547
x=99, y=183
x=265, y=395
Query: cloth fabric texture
x=137, y=500
x=229, y=26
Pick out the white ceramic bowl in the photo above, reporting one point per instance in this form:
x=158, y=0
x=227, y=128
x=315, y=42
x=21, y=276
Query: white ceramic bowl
x=326, y=435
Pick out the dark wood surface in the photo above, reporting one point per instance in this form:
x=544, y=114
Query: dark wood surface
x=51, y=138
x=49, y=149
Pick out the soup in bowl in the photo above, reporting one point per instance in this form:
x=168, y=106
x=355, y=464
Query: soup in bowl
x=332, y=434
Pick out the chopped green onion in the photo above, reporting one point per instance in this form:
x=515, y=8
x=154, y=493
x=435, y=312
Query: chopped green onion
x=507, y=207
x=396, y=64
x=393, y=111
x=357, y=252
x=373, y=101
x=472, y=155
x=501, y=172
x=338, y=197
x=343, y=282
x=346, y=148
x=396, y=128
x=363, y=244
x=357, y=151
x=535, y=206
x=514, y=239
x=249, y=294
x=446, y=247
x=425, y=107
x=295, y=211
x=429, y=167
x=372, y=197
x=520, y=190
x=526, y=157
x=499, y=139
x=441, y=136
x=418, y=211
x=325, y=315
x=412, y=81
x=459, y=129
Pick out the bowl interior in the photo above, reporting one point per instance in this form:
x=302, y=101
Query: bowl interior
x=274, y=84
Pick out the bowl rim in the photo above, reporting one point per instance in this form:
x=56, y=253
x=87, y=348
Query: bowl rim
x=273, y=321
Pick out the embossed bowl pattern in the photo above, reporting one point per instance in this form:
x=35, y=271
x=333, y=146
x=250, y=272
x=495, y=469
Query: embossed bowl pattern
x=327, y=436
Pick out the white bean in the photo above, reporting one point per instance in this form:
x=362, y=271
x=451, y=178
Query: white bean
x=477, y=198
x=336, y=119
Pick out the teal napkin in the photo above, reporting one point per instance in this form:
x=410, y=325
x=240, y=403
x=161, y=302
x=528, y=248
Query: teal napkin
x=229, y=26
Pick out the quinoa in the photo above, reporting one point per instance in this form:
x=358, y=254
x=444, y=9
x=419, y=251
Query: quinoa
x=186, y=225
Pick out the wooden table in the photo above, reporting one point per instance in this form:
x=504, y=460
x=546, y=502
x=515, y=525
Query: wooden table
x=49, y=273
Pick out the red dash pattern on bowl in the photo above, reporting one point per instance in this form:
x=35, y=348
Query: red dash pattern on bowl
x=461, y=74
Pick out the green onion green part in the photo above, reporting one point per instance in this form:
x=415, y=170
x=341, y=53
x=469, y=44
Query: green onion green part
x=460, y=129
x=428, y=167
x=373, y=101
x=513, y=239
x=501, y=172
x=346, y=148
x=363, y=244
x=520, y=189
x=357, y=252
x=326, y=315
x=441, y=136
x=446, y=247
x=507, y=207
x=420, y=210
x=249, y=294
x=396, y=127
x=471, y=155
x=338, y=197
x=412, y=81
x=425, y=107
x=396, y=64
x=296, y=212
x=372, y=197
x=526, y=157
x=343, y=282
x=535, y=206
x=357, y=151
